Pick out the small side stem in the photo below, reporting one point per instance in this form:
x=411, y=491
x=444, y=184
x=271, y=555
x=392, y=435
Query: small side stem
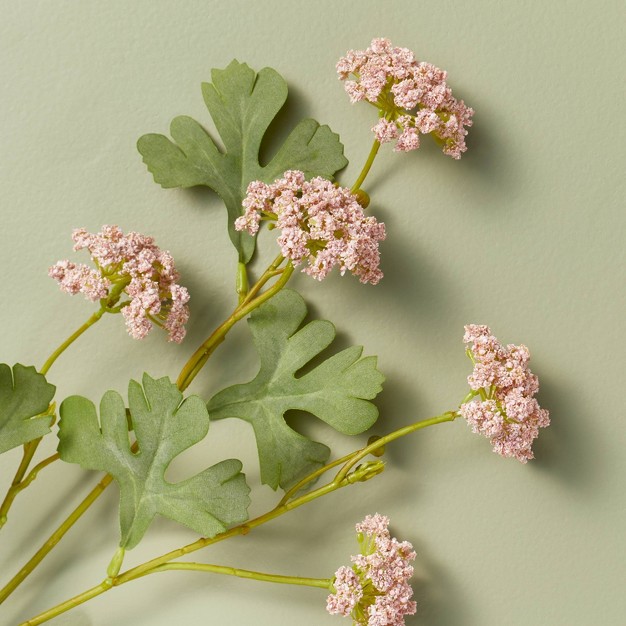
x=15, y=488
x=322, y=583
x=71, y=339
x=242, y=529
x=272, y=270
x=366, y=167
x=202, y=354
x=241, y=282
x=449, y=416
x=312, y=476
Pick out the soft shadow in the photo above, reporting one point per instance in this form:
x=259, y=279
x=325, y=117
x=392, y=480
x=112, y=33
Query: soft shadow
x=564, y=450
x=422, y=289
x=489, y=155
x=439, y=598
x=392, y=403
x=292, y=112
x=58, y=510
x=296, y=108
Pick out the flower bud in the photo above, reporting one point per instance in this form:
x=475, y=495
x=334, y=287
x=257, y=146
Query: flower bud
x=365, y=471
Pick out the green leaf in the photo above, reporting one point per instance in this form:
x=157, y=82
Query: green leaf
x=24, y=395
x=242, y=104
x=164, y=426
x=337, y=391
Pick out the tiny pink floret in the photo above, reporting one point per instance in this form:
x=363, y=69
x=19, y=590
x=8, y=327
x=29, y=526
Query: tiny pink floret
x=506, y=411
x=319, y=223
x=138, y=268
x=413, y=97
x=375, y=590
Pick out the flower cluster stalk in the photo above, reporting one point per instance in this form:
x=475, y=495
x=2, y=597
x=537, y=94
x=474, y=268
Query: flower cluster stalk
x=321, y=583
x=366, y=168
x=346, y=476
x=248, y=303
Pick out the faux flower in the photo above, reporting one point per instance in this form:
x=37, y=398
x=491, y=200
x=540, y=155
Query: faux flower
x=131, y=265
x=412, y=97
x=320, y=223
x=503, y=408
x=375, y=590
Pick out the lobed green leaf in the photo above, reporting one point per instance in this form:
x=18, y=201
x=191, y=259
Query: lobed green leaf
x=24, y=396
x=164, y=426
x=337, y=391
x=242, y=105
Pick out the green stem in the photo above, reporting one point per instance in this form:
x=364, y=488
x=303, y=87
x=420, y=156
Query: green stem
x=322, y=583
x=69, y=604
x=150, y=566
x=71, y=339
x=340, y=480
x=15, y=488
x=366, y=167
x=52, y=541
x=242, y=529
x=247, y=305
x=241, y=282
x=105, y=585
x=163, y=562
x=270, y=272
x=449, y=416
x=312, y=476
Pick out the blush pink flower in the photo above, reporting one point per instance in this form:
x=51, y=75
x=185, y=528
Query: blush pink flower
x=503, y=408
x=375, y=590
x=133, y=265
x=412, y=97
x=320, y=223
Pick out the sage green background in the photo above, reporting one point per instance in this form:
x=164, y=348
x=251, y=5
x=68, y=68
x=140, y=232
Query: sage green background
x=525, y=233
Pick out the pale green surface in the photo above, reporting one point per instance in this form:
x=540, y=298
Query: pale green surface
x=525, y=233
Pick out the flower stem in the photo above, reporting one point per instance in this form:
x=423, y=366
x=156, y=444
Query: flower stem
x=16, y=487
x=163, y=562
x=242, y=529
x=448, y=416
x=312, y=476
x=105, y=585
x=71, y=339
x=244, y=308
x=366, y=167
x=322, y=583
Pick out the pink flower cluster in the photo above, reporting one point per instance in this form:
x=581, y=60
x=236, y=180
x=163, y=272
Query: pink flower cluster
x=392, y=79
x=375, y=590
x=319, y=222
x=131, y=264
x=504, y=410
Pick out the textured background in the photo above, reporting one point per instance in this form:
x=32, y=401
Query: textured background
x=525, y=233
